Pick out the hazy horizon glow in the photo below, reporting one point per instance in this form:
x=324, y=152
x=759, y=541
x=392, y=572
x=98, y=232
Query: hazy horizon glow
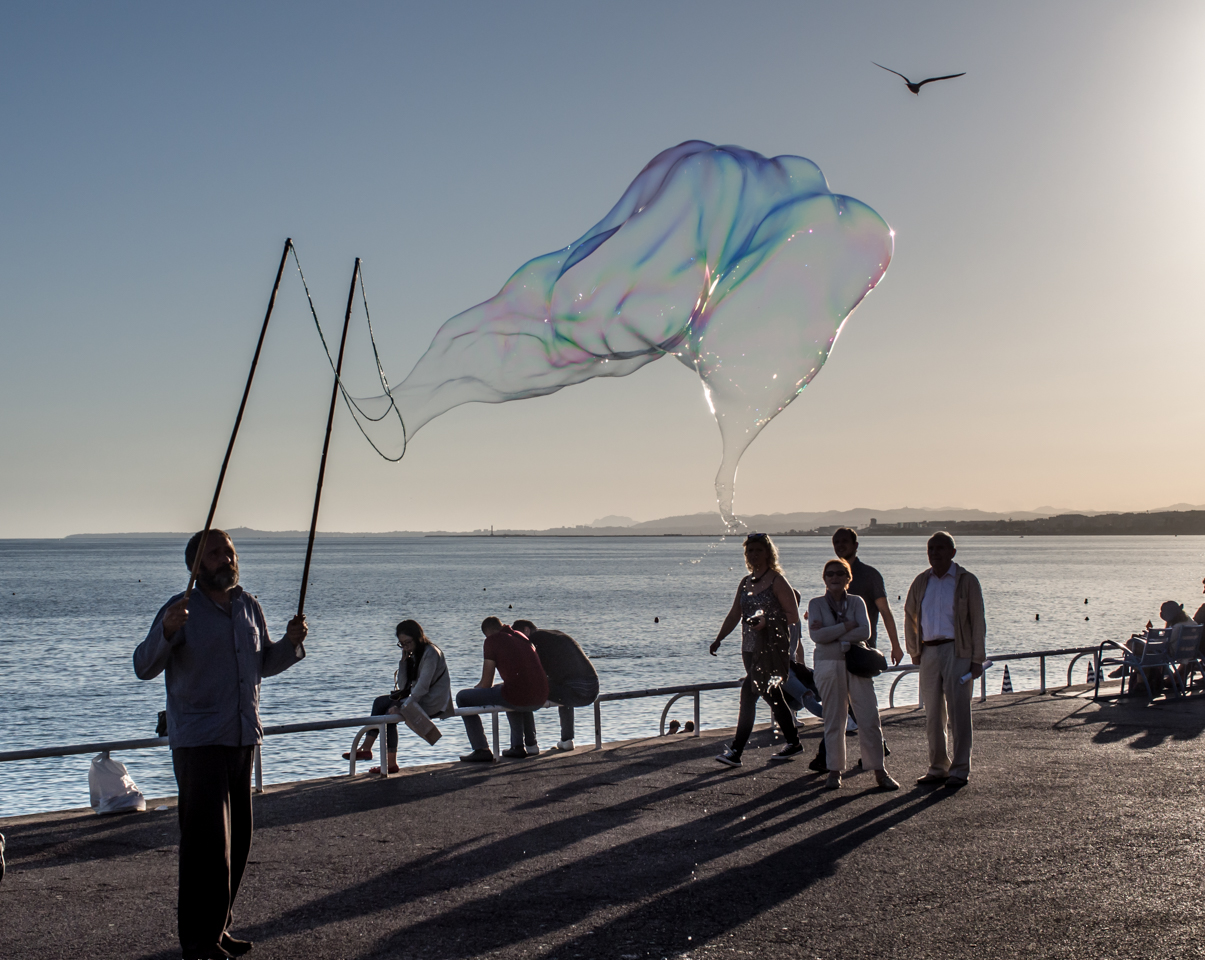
x=1034, y=342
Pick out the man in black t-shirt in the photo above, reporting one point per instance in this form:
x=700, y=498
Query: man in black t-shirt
x=572, y=679
x=867, y=584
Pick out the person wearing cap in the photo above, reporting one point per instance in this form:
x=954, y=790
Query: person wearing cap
x=214, y=648
x=945, y=631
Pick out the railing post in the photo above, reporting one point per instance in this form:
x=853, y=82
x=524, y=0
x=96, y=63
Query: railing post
x=597, y=724
x=496, y=751
x=382, y=739
x=1042, y=667
x=698, y=723
x=259, y=769
x=983, y=687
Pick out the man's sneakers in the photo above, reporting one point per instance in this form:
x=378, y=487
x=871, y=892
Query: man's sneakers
x=515, y=753
x=565, y=745
x=788, y=752
x=533, y=749
x=478, y=756
x=729, y=758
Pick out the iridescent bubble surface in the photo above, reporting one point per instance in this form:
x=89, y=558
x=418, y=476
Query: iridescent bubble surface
x=742, y=267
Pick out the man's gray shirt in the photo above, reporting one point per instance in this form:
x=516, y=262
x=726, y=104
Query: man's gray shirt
x=214, y=664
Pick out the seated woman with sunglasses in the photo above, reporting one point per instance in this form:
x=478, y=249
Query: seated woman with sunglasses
x=766, y=608
x=837, y=620
x=421, y=678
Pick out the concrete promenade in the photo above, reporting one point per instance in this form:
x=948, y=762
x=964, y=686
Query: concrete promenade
x=1079, y=836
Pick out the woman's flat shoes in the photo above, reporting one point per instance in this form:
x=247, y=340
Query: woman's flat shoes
x=833, y=782
x=885, y=781
x=360, y=755
x=393, y=768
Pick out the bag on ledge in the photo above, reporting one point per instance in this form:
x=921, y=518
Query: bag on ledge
x=111, y=789
x=864, y=661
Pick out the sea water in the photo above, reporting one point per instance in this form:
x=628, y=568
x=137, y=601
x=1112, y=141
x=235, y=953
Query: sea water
x=644, y=608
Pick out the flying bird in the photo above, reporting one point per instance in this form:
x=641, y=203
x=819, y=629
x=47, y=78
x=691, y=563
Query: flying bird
x=915, y=87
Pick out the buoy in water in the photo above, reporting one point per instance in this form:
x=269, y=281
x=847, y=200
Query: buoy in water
x=1037, y=616
x=656, y=619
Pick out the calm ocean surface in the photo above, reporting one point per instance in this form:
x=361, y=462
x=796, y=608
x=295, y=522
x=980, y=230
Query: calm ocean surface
x=72, y=611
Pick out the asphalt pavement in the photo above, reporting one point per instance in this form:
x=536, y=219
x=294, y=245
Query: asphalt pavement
x=1078, y=836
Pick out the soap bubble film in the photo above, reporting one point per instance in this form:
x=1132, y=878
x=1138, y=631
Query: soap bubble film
x=742, y=267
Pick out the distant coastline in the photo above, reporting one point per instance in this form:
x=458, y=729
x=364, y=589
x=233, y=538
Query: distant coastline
x=886, y=523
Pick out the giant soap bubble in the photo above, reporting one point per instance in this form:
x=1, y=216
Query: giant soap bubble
x=742, y=267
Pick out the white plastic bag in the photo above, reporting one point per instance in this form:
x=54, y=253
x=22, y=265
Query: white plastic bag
x=111, y=788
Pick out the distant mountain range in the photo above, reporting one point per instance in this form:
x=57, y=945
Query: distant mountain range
x=710, y=524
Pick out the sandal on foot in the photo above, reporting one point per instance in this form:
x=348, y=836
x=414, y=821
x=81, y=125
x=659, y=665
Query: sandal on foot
x=393, y=768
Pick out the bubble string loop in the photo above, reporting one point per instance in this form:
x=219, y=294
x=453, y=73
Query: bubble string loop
x=353, y=403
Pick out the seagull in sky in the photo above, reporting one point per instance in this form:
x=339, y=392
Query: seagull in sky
x=915, y=87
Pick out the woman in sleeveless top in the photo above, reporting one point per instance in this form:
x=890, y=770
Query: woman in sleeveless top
x=766, y=608
x=837, y=620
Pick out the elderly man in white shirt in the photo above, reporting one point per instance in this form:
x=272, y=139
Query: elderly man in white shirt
x=945, y=632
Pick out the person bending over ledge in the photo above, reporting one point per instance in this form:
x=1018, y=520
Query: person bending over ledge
x=572, y=679
x=421, y=679
x=524, y=685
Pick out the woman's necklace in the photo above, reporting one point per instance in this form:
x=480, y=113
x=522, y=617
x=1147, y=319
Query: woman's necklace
x=754, y=577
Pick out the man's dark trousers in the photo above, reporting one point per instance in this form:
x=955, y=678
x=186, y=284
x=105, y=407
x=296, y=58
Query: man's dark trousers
x=214, y=786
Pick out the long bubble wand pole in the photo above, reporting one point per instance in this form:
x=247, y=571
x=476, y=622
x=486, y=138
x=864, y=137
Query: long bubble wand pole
x=326, y=443
x=196, y=564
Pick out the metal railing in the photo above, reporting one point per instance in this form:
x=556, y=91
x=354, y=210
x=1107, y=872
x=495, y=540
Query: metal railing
x=1076, y=654
x=276, y=730
x=675, y=693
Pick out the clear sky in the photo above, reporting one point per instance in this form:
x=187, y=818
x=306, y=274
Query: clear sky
x=1036, y=341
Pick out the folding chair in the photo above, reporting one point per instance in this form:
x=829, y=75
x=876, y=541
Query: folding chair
x=1143, y=652
x=1184, y=651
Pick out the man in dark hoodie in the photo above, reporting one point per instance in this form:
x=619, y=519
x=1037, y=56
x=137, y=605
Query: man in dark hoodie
x=572, y=679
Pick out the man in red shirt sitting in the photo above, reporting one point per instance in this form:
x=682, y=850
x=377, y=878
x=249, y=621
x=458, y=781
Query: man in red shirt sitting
x=524, y=686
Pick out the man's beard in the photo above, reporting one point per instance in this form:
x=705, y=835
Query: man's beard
x=221, y=579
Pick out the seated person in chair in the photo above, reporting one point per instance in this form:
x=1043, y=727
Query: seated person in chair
x=1171, y=613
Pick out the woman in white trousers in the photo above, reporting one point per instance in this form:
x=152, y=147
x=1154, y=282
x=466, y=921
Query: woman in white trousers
x=836, y=621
